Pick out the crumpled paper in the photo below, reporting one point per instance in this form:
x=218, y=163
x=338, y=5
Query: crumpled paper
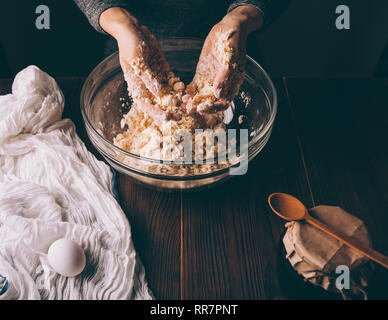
x=315, y=255
x=52, y=187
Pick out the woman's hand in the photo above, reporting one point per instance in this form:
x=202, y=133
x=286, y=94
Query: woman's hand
x=225, y=76
x=144, y=64
x=141, y=55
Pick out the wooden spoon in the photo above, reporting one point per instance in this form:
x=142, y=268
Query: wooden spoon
x=292, y=209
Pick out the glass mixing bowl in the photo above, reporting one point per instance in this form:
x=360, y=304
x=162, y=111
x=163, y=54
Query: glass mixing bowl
x=104, y=101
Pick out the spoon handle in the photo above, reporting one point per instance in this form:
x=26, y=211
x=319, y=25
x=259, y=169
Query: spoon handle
x=350, y=242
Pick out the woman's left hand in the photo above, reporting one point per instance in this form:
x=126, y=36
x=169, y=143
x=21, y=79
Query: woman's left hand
x=225, y=78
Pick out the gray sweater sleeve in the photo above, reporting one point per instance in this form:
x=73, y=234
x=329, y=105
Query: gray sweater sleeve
x=271, y=9
x=93, y=9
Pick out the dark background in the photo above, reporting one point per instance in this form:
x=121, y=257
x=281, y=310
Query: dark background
x=302, y=42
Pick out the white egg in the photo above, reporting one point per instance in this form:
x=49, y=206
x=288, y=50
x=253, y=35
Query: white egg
x=66, y=257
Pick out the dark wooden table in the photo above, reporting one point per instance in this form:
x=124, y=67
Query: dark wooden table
x=329, y=146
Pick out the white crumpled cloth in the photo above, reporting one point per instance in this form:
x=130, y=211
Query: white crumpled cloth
x=51, y=187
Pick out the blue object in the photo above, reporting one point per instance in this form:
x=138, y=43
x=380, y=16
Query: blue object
x=3, y=284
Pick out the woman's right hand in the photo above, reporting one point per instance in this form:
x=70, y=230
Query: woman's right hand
x=142, y=60
x=141, y=56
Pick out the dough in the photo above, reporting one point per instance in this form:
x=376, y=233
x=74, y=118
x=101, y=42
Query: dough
x=155, y=125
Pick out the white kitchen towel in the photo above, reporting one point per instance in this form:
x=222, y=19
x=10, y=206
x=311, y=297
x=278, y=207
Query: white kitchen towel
x=52, y=187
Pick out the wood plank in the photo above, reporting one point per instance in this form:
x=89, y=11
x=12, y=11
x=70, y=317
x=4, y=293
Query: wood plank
x=230, y=238
x=155, y=222
x=343, y=130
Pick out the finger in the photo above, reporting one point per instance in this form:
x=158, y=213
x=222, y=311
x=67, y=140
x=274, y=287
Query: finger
x=153, y=111
x=205, y=66
x=136, y=87
x=209, y=107
x=190, y=107
x=186, y=98
x=182, y=107
x=220, y=82
x=124, y=66
x=179, y=86
x=191, y=89
x=143, y=98
x=149, y=78
x=234, y=85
